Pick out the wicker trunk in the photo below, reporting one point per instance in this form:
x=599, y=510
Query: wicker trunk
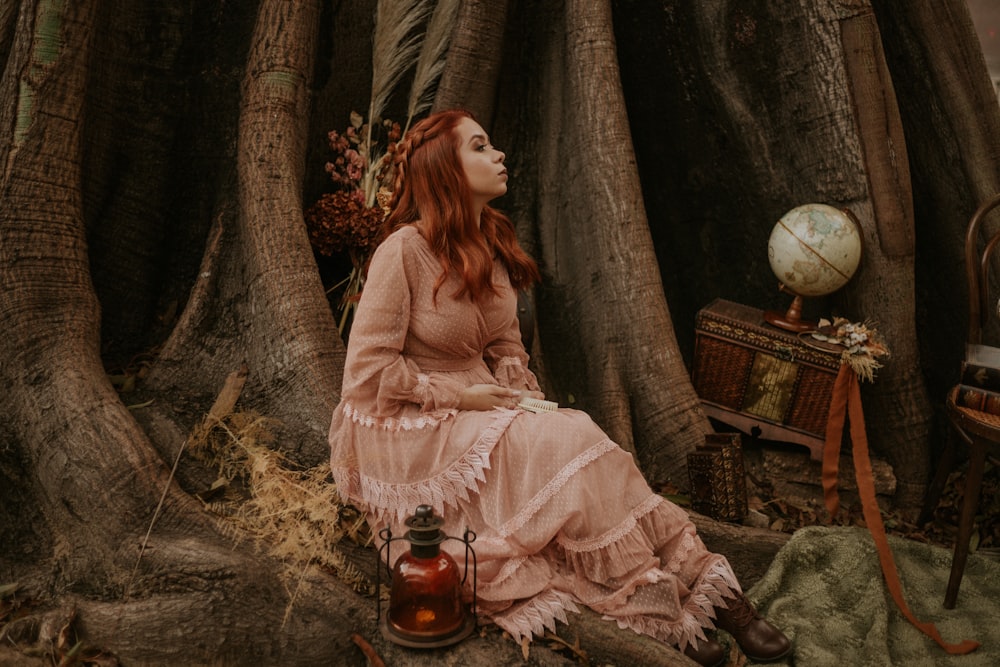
x=762, y=380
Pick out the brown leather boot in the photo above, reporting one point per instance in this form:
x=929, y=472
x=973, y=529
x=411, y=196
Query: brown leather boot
x=709, y=653
x=760, y=641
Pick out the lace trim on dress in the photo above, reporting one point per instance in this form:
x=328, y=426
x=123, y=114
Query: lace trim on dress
x=430, y=420
x=680, y=555
x=510, y=372
x=454, y=482
x=715, y=585
x=552, y=487
x=617, y=555
x=507, y=570
x=536, y=614
x=616, y=533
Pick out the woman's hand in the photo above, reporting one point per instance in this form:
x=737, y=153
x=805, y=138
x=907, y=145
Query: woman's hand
x=489, y=396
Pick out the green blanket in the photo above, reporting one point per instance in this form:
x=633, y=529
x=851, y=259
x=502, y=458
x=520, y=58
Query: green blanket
x=825, y=590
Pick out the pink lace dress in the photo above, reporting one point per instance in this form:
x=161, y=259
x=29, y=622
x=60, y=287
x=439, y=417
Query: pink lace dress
x=562, y=515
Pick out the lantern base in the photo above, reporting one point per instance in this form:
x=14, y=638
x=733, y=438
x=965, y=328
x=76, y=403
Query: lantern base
x=411, y=640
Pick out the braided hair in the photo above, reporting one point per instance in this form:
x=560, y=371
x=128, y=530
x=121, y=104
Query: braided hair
x=431, y=188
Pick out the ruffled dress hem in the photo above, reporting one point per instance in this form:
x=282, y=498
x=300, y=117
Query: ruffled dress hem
x=387, y=501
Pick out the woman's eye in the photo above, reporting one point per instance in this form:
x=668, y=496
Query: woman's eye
x=482, y=147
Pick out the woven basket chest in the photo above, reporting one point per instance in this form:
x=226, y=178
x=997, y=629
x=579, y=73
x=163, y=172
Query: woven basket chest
x=718, y=478
x=763, y=380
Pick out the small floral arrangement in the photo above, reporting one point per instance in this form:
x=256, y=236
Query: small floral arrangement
x=863, y=348
x=349, y=218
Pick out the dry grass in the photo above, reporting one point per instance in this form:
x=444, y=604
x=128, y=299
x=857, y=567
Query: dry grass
x=295, y=515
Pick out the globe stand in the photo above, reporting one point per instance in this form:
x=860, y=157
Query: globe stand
x=790, y=320
x=813, y=249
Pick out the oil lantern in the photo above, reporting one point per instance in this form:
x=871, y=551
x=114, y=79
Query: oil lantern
x=425, y=595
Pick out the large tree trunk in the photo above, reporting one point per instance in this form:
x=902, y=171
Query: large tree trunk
x=258, y=299
x=472, y=70
x=768, y=108
x=139, y=173
x=127, y=173
x=883, y=289
x=952, y=125
x=60, y=411
x=607, y=336
x=74, y=457
x=180, y=593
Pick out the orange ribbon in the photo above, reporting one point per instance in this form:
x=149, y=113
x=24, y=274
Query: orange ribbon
x=846, y=401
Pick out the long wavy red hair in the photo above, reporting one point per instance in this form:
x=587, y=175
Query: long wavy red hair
x=431, y=188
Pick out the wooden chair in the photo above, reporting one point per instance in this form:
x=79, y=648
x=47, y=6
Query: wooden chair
x=980, y=431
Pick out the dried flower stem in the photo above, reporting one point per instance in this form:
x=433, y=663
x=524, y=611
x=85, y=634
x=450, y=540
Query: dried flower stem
x=861, y=341
x=395, y=45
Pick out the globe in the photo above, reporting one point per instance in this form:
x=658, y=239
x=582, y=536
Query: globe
x=814, y=250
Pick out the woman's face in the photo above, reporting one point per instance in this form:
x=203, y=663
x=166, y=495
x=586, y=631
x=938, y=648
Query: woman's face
x=481, y=162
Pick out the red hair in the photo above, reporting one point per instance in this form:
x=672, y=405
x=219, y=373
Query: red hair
x=431, y=189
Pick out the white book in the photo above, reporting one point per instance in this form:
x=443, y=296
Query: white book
x=982, y=355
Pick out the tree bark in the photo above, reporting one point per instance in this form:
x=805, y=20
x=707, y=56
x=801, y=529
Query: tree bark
x=472, y=70
x=50, y=314
x=258, y=299
x=611, y=350
x=8, y=24
x=883, y=288
x=952, y=126
x=120, y=541
x=129, y=170
x=138, y=173
x=795, y=100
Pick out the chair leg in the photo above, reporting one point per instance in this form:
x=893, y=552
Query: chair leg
x=970, y=502
x=944, y=466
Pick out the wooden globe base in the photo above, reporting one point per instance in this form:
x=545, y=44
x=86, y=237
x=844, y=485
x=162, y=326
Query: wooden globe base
x=791, y=320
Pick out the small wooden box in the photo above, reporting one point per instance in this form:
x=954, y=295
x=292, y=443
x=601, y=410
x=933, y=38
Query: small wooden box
x=718, y=478
x=763, y=380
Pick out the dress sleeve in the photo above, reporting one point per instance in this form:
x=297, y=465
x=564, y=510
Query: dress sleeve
x=378, y=378
x=508, y=360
